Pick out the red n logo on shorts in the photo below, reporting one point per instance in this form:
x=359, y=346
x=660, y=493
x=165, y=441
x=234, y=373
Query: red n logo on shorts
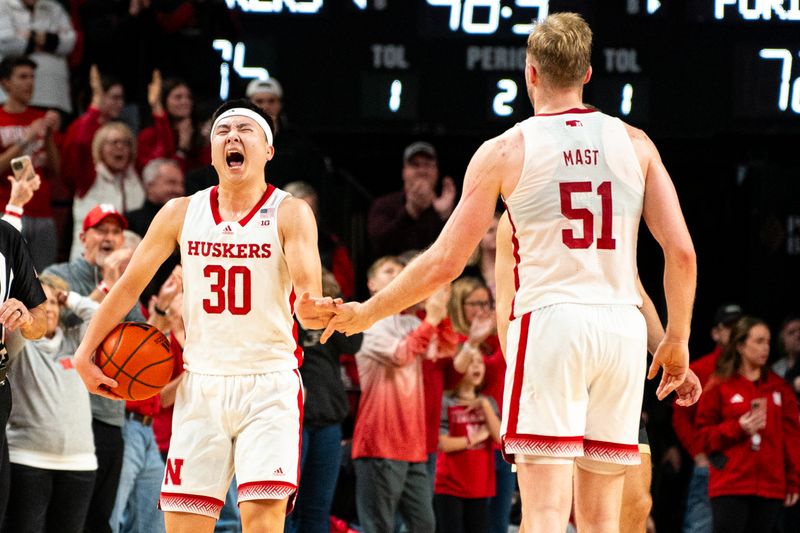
x=173, y=476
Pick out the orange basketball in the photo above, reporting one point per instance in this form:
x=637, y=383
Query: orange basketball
x=137, y=356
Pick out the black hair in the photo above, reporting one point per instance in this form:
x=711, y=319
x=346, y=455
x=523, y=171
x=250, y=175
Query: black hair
x=9, y=63
x=245, y=103
x=107, y=81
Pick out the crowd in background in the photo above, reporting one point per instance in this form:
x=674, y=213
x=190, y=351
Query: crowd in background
x=401, y=423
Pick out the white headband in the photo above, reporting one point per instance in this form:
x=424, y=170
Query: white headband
x=244, y=112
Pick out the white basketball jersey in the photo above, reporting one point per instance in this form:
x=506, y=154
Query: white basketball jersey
x=238, y=298
x=575, y=212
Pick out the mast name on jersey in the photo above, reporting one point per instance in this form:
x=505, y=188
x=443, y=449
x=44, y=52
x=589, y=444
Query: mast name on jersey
x=227, y=250
x=581, y=156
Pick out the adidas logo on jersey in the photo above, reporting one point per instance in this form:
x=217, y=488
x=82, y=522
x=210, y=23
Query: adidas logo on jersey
x=737, y=398
x=227, y=230
x=278, y=472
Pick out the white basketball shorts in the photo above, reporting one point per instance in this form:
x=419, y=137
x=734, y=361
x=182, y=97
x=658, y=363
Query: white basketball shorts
x=575, y=382
x=249, y=425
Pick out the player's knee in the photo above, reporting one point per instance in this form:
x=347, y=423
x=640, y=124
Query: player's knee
x=599, y=467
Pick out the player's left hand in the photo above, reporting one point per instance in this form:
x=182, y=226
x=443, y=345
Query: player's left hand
x=350, y=319
x=689, y=392
x=673, y=358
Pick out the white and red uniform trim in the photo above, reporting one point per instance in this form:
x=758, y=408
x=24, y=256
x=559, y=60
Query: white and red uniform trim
x=177, y=502
x=265, y=490
x=611, y=452
x=526, y=444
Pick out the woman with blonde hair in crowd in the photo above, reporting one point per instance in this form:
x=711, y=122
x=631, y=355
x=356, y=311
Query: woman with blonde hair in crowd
x=50, y=440
x=471, y=311
x=749, y=426
x=116, y=182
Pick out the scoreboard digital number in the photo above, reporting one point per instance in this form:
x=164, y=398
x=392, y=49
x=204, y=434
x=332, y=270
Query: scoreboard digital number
x=458, y=65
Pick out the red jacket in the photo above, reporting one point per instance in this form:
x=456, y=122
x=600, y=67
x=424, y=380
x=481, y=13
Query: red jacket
x=683, y=418
x=773, y=471
x=77, y=163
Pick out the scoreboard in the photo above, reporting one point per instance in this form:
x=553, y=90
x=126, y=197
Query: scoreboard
x=683, y=68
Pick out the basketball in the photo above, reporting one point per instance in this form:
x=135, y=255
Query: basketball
x=137, y=356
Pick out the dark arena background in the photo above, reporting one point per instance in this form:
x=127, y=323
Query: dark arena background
x=716, y=84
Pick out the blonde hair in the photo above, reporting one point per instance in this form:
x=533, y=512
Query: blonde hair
x=54, y=282
x=105, y=131
x=459, y=292
x=561, y=46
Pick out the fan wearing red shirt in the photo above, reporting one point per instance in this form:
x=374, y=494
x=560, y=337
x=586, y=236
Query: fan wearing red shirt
x=28, y=131
x=465, y=469
x=749, y=428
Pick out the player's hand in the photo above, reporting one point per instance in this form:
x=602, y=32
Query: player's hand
x=93, y=378
x=689, y=392
x=446, y=201
x=315, y=313
x=14, y=314
x=673, y=358
x=349, y=319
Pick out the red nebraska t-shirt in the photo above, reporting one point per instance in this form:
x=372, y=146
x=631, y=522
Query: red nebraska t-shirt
x=13, y=128
x=466, y=473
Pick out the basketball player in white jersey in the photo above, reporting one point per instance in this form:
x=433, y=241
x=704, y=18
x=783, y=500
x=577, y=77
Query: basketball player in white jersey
x=246, y=249
x=636, y=498
x=576, y=183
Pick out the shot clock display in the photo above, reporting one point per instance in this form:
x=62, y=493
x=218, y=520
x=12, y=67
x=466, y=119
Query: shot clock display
x=458, y=65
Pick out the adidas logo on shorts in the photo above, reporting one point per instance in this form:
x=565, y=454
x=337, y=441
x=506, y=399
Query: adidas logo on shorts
x=278, y=472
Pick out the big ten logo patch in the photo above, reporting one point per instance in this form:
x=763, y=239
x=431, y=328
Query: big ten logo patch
x=173, y=475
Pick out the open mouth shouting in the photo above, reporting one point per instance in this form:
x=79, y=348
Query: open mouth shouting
x=234, y=158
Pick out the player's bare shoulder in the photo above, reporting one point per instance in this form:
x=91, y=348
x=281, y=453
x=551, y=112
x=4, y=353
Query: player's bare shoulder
x=169, y=219
x=502, y=158
x=645, y=149
x=294, y=215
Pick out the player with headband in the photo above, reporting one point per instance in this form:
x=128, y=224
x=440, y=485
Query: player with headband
x=247, y=249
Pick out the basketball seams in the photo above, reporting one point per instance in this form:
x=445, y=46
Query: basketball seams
x=143, y=337
x=135, y=378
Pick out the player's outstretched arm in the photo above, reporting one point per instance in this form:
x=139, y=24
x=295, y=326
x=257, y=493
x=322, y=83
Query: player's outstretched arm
x=490, y=172
x=298, y=230
x=157, y=245
x=664, y=218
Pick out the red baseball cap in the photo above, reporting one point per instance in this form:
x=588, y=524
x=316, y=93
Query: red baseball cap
x=101, y=212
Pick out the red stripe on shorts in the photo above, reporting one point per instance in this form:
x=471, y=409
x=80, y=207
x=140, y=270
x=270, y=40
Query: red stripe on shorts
x=612, y=452
x=190, y=503
x=300, y=404
x=516, y=388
